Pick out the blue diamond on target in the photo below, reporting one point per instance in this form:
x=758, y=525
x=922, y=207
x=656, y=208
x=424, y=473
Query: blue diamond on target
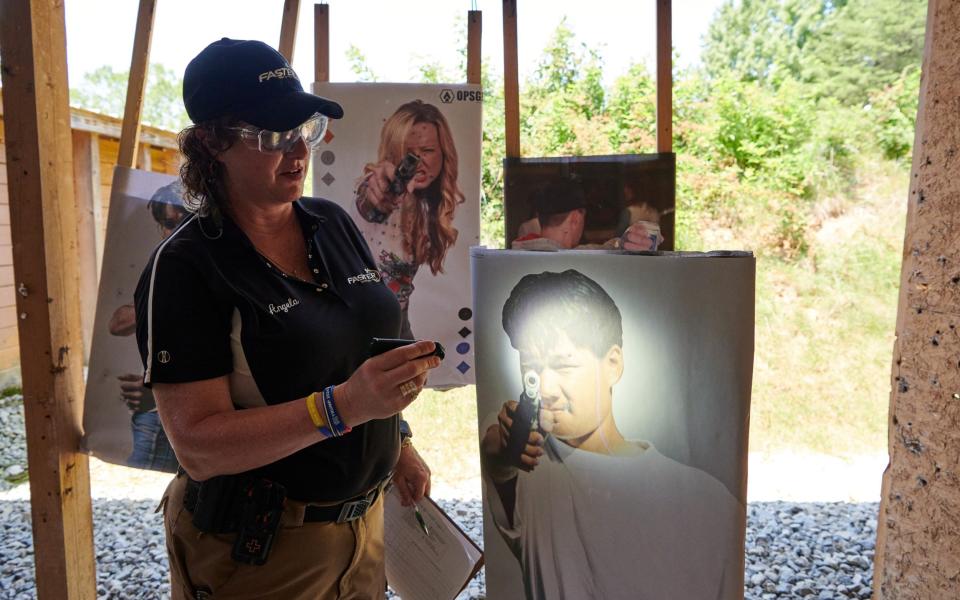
x=328, y=178
x=463, y=367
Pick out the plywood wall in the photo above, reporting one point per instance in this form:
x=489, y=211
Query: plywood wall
x=918, y=538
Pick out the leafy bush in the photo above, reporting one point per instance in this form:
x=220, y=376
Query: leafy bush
x=893, y=111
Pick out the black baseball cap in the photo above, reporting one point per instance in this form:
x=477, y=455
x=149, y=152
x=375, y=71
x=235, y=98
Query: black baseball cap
x=251, y=81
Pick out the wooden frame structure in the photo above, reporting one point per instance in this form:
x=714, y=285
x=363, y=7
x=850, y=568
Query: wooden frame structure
x=915, y=555
x=918, y=534
x=43, y=214
x=516, y=186
x=321, y=43
x=45, y=220
x=511, y=80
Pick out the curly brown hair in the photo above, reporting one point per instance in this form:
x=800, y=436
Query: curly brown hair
x=203, y=176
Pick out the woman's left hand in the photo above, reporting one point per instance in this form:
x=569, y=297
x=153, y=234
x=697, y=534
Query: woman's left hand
x=411, y=476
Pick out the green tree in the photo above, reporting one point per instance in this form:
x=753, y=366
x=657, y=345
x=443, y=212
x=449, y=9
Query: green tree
x=763, y=40
x=563, y=105
x=865, y=47
x=558, y=68
x=632, y=111
x=104, y=90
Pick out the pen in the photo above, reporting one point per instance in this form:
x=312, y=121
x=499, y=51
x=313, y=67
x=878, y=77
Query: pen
x=419, y=515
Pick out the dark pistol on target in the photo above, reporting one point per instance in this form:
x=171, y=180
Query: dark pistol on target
x=525, y=419
x=404, y=173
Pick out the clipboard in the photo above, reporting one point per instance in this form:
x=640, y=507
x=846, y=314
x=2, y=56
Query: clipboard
x=427, y=566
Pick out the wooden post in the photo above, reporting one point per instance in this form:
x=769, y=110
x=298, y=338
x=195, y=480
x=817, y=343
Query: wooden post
x=664, y=78
x=86, y=158
x=43, y=219
x=145, y=163
x=321, y=42
x=918, y=534
x=288, y=28
x=474, y=35
x=136, y=85
x=511, y=81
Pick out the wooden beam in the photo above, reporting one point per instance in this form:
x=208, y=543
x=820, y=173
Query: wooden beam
x=511, y=81
x=136, y=84
x=918, y=534
x=105, y=126
x=288, y=28
x=321, y=42
x=664, y=77
x=86, y=150
x=145, y=162
x=43, y=219
x=474, y=36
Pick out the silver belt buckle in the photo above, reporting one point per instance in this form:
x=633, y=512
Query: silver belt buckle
x=352, y=511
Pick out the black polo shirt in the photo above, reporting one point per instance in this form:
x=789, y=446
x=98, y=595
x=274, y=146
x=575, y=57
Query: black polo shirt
x=209, y=305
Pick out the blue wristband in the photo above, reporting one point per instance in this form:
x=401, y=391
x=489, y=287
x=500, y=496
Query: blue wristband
x=337, y=426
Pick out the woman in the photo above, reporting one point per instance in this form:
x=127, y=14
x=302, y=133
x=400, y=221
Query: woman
x=414, y=227
x=255, y=344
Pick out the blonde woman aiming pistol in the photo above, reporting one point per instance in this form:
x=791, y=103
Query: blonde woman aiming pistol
x=410, y=224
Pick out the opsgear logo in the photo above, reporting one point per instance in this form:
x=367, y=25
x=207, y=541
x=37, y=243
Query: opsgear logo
x=448, y=96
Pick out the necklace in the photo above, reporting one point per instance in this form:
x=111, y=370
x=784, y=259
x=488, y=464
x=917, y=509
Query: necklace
x=296, y=271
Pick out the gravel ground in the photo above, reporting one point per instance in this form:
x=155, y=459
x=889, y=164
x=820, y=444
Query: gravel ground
x=812, y=550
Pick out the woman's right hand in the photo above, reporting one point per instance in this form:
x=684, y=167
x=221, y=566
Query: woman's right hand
x=377, y=191
x=373, y=391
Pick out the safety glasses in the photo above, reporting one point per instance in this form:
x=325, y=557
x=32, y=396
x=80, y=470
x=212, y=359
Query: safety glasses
x=311, y=132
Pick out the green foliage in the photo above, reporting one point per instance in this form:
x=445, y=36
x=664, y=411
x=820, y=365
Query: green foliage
x=433, y=72
x=893, y=111
x=11, y=390
x=864, y=47
x=559, y=67
x=359, y=66
x=763, y=40
x=762, y=132
x=104, y=90
x=632, y=111
x=563, y=104
x=841, y=49
x=769, y=158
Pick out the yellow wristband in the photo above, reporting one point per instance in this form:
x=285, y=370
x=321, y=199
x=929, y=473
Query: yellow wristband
x=315, y=416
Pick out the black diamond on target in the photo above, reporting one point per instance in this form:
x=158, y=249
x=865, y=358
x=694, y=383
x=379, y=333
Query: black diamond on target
x=328, y=178
x=464, y=332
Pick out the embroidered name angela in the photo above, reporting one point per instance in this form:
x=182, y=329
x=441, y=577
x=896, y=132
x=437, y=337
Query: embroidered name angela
x=285, y=307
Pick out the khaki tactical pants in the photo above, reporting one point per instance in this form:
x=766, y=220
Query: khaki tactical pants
x=315, y=561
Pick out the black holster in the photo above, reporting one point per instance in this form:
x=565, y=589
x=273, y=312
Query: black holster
x=251, y=507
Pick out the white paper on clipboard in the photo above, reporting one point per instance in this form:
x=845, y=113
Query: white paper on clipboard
x=426, y=566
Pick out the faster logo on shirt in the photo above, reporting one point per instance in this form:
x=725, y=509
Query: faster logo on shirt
x=368, y=276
